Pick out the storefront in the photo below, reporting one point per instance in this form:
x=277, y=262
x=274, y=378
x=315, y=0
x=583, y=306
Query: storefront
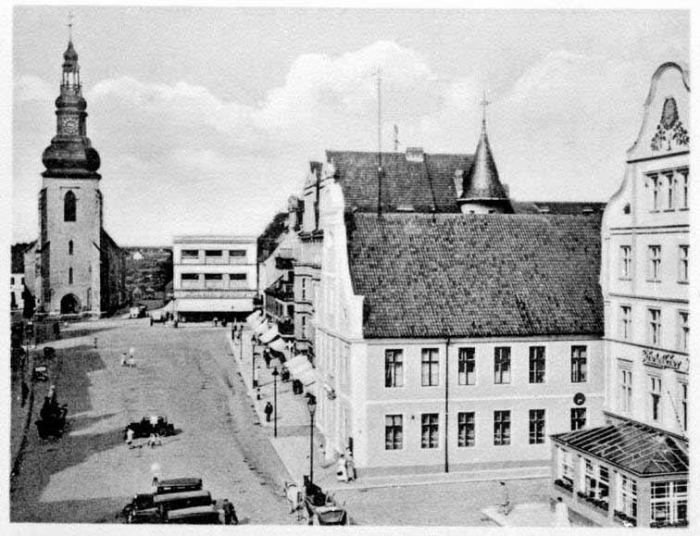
x=626, y=474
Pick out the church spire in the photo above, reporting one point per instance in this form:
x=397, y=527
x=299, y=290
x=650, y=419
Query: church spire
x=482, y=191
x=70, y=153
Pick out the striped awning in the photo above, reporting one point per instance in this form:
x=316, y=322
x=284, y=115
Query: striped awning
x=270, y=334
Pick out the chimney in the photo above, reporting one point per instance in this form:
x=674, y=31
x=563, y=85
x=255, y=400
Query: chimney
x=414, y=154
x=458, y=179
x=507, y=190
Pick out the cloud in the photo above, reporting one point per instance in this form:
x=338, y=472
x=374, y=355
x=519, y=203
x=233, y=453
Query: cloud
x=32, y=88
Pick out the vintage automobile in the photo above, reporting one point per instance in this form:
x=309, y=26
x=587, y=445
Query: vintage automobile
x=155, y=424
x=153, y=508
x=176, y=485
x=195, y=515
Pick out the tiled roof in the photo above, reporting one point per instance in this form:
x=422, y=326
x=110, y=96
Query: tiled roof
x=418, y=185
x=558, y=207
x=632, y=446
x=473, y=275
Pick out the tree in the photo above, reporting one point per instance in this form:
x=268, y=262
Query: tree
x=268, y=240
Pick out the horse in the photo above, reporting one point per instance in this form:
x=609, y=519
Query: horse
x=295, y=497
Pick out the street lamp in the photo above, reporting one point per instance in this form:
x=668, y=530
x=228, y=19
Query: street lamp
x=312, y=410
x=275, y=373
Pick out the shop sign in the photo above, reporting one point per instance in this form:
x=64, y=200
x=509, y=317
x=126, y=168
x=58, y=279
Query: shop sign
x=659, y=360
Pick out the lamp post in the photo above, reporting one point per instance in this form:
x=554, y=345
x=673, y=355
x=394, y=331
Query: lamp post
x=312, y=410
x=275, y=373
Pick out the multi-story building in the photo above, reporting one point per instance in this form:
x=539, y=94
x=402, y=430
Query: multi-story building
x=634, y=470
x=214, y=277
x=75, y=266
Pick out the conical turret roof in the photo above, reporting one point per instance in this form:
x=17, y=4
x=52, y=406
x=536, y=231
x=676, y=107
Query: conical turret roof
x=482, y=182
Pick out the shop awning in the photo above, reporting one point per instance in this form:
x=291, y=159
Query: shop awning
x=254, y=319
x=262, y=328
x=301, y=369
x=278, y=345
x=270, y=334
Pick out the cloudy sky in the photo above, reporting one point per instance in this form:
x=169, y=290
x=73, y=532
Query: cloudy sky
x=206, y=119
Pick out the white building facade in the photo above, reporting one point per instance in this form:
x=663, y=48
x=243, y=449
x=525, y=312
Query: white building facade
x=214, y=276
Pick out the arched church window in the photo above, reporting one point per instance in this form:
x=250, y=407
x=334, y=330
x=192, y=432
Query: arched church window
x=70, y=247
x=70, y=276
x=69, y=206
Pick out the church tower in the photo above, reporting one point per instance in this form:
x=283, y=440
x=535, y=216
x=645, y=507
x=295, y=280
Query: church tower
x=70, y=206
x=482, y=191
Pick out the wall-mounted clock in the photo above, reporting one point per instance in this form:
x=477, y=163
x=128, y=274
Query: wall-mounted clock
x=70, y=125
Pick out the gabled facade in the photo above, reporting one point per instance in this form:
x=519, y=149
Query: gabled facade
x=645, y=278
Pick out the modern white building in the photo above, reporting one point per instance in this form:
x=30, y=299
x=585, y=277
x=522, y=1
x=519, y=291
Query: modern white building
x=214, y=277
x=634, y=470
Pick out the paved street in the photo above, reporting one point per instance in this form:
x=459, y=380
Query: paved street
x=88, y=475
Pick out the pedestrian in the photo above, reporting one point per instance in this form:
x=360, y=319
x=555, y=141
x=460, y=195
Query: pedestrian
x=504, y=504
x=257, y=394
x=267, y=357
x=256, y=376
x=216, y=321
x=57, y=331
x=350, y=462
x=342, y=470
x=124, y=359
x=154, y=440
x=25, y=392
x=151, y=317
x=561, y=514
x=131, y=362
x=129, y=437
x=230, y=517
x=268, y=411
x=131, y=352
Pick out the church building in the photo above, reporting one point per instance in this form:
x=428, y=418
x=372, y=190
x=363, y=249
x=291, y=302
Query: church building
x=74, y=266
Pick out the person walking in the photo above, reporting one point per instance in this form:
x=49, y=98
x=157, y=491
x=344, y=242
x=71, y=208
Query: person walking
x=124, y=359
x=504, y=505
x=268, y=411
x=350, y=463
x=129, y=437
x=342, y=470
x=561, y=514
x=230, y=517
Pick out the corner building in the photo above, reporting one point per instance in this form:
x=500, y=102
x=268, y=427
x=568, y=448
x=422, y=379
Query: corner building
x=75, y=266
x=634, y=470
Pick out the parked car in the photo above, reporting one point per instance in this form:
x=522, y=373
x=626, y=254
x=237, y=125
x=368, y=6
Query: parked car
x=195, y=515
x=141, y=509
x=155, y=424
x=175, y=485
x=153, y=507
x=165, y=502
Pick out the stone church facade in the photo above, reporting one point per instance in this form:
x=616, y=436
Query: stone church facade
x=74, y=266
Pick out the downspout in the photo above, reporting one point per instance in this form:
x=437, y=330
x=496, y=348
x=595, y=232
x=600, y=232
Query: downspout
x=447, y=404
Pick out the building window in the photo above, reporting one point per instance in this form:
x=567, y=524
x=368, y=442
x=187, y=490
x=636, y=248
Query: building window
x=70, y=276
x=654, y=263
x=655, y=191
x=684, y=405
x=669, y=502
x=579, y=362
x=12, y=281
x=566, y=467
x=393, y=368
x=502, y=364
x=69, y=206
x=625, y=262
x=627, y=496
x=501, y=428
x=625, y=321
x=669, y=192
x=684, y=188
x=303, y=327
x=213, y=256
x=429, y=367
x=189, y=255
x=683, y=264
x=536, y=426
x=189, y=280
x=683, y=331
x=466, y=429
x=393, y=432
x=655, y=327
x=213, y=280
x=429, y=431
x=237, y=280
x=466, y=367
x=537, y=364
x=70, y=247
x=303, y=288
x=578, y=418
x=625, y=401
x=596, y=482
x=236, y=254
x=654, y=398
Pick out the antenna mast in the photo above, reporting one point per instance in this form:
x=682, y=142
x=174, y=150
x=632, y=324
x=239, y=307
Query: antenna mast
x=396, y=138
x=70, y=26
x=380, y=171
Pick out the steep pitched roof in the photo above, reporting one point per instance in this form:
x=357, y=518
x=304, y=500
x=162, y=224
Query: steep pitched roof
x=425, y=186
x=482, y=182
x=632, y=446
x=476, y=275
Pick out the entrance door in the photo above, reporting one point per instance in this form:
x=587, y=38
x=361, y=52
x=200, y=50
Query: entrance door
x=70, y=304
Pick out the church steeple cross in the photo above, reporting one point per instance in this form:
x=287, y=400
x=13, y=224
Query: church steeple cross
x=70, y=25
x=484, y=103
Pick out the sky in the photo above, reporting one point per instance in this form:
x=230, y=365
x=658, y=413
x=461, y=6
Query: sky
x=206, y=118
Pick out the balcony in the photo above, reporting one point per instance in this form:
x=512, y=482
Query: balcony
x=599, y=504
x=564, y=486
